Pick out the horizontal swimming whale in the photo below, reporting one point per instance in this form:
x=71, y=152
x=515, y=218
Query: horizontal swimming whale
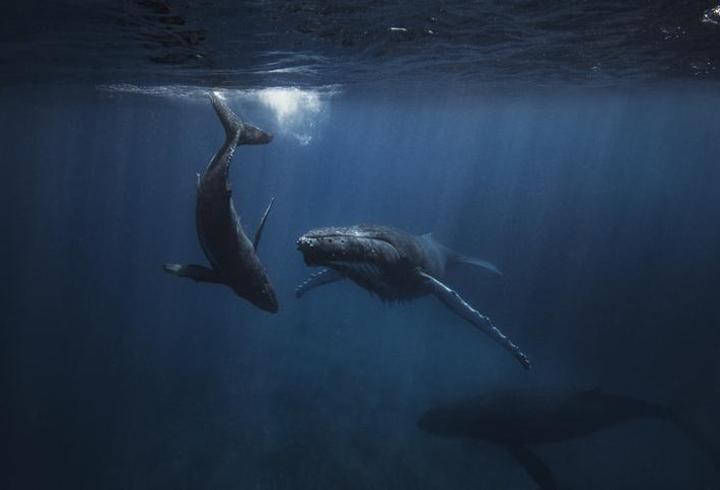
x=396, y=266
x=517, y=418
x=232, y=256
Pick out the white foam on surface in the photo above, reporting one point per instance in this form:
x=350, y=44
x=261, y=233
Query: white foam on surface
x=296, y=111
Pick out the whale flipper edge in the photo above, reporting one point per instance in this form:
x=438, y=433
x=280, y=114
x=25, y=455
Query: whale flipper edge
x=317, y=279
x=457, y=304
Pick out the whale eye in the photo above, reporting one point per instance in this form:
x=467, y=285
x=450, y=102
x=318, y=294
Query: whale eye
x=329, y=240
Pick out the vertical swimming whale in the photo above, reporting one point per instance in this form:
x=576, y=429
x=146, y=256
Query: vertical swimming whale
x=232, y=256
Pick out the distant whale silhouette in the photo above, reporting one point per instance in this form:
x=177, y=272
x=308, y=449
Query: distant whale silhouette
x=231, y=254
x=396, y=266
x=516, y=418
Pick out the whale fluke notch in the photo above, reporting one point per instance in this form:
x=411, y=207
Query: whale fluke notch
x=260, y=227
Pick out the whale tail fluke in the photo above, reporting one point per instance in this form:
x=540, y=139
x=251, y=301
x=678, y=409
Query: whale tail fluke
x=242, y=133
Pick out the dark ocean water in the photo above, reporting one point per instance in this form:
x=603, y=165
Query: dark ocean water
x=574, y=144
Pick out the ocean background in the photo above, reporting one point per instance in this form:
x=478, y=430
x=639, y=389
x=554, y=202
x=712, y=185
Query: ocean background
x=598, y=198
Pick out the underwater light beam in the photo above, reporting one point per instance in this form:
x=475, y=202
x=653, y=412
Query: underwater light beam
x=289, y=103
x=296, y=110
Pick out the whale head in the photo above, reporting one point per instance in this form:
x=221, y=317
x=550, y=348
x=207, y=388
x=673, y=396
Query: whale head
x=348, y=246
x=263, y=297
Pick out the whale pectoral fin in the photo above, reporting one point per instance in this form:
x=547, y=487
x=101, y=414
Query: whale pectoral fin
x=260, y=227
x=534, y=466
x=457, y=304
x=197, y=273
x=316, y=280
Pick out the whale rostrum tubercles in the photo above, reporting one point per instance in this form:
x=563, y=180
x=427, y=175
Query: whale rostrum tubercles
x=232, y=256
x=396, y=266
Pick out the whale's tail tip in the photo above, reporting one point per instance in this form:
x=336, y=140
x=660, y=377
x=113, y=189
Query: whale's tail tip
x=242, y=133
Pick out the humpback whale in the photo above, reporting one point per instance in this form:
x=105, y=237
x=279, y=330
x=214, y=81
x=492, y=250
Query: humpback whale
x=396, y=266
x=516, y=418
x=232, y=256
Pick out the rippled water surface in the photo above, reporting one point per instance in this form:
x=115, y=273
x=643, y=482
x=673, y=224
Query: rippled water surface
x=600, y=43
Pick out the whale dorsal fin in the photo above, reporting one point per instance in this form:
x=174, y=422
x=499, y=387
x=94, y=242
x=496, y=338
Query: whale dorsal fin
x=260, y=227
x=489, y=266
x=458, y=258
x=198, y=273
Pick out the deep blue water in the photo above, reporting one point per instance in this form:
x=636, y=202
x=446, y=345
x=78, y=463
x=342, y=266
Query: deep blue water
x=601, y=209
x=575, y=146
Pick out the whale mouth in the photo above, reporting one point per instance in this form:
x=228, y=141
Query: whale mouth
x=338, y=250
x=366, y=269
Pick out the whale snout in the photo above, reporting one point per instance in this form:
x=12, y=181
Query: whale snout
x=271, y=306
x=309, y=247
x=267, y=300
x=326, y=242
x=325, y=246
x=305, y=243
